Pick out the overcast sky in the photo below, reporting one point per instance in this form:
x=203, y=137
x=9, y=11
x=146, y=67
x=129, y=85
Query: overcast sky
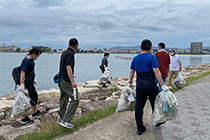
x=104, y=23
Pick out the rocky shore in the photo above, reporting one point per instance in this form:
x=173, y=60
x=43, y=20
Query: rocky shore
x=92, y=97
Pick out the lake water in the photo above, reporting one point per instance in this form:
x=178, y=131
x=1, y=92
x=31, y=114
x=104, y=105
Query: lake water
x=86, y=68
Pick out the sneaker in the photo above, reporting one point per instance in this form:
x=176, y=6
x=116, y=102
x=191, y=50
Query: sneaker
x=38, y=114
x=141, y=131
x=159, y=124
x=27, y=120
x=66, y=124
x=169, y=87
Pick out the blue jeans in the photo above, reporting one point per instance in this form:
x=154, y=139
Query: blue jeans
x=160, y=88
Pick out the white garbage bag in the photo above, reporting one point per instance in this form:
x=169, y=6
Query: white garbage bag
x=179, y=80
x=127, y=100
x=21, y=105
x=166, y=107
x=106, y=76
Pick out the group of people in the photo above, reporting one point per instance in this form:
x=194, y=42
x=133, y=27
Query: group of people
x=27, y=80
x=150, y=70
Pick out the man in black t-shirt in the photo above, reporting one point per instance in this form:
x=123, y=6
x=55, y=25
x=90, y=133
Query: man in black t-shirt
x=68, y=86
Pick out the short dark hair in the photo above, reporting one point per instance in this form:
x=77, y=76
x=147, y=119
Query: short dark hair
x=73, y=42
x=172, y=50
x=146, y=44
x=35, y=50
x=105, y=54
x=162, y=45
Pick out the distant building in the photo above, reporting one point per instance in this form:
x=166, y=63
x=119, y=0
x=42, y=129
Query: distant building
x=196, y=47
x=40, y=47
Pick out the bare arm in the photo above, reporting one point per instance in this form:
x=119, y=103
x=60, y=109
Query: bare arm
x=158, y=76
x=70, y=74
x=22, y=77
x=131, y=75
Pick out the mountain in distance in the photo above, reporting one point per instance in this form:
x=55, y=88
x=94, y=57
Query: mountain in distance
x=137, y=47
x=206, y=47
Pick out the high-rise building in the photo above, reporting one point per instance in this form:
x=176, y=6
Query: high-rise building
x=196, y=47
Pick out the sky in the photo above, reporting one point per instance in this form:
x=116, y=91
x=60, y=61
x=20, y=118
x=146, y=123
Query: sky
x=104, y=23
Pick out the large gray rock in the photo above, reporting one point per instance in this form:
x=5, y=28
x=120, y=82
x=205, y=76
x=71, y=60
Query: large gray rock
x=12, y=129
x=6, y=104
x=52, y=90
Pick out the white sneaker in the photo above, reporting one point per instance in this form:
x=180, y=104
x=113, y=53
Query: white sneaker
x=169, y=87
x=66, y=124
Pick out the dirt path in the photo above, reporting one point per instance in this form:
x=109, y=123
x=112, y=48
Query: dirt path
x=119, y=126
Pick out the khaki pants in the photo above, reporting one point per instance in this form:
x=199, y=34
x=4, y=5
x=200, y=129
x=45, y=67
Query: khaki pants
x=66, y=90
x=172, y=75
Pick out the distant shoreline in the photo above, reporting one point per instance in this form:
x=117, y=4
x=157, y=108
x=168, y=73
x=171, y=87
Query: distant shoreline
x=110, y=53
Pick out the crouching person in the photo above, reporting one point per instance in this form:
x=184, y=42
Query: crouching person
x=27, y=80
x=66, y=86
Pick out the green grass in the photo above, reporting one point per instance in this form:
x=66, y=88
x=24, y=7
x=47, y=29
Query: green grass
x=190, y=79
x=52, y=129
x=114, y=89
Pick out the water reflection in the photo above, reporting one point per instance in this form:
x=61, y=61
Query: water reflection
x=195, y=60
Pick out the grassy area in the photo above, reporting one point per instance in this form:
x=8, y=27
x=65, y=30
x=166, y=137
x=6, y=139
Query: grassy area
x=114, y=89
x=52, y=129
x=190, y=79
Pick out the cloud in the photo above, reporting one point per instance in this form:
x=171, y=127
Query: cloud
x=102, y=23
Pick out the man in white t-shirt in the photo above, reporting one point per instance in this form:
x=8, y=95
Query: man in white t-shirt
x=175, y=66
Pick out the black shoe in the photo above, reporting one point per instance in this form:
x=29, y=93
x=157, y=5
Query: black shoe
x=159, y=124
x=141, y=130
x=27, y=120
x=38, y=114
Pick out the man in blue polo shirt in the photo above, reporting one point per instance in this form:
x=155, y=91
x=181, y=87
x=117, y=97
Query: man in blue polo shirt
x=146, y=67
x=27, y=80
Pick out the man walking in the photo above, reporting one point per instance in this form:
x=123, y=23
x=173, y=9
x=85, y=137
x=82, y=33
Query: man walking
x=67, y=63
x=146, y=67
x=27, y=80
x=163, y=62
x=104, y=64
x=175, y=67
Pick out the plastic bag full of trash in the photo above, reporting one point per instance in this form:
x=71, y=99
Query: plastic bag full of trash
x=106, y=76
x=21, y=105
x=166, y=107
x=127, y=100
x=179, y=80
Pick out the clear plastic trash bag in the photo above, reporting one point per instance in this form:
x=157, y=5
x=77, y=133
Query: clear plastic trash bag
x=179, y=80
x=21, y=105
x=166, y=107
x=127, y=100
x=106, y=77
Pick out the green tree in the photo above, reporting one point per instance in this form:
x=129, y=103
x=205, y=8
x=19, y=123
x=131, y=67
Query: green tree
x=18, y=49
x=54, y=50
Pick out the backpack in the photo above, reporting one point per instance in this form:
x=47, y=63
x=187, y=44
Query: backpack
x=16, y=75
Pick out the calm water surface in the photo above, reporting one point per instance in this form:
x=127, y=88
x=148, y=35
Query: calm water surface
x=86, y=68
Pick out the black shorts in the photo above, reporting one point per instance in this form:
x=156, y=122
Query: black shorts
x=32, y=94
